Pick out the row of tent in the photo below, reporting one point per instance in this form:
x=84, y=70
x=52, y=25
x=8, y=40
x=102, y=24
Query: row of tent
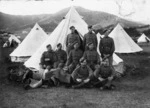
x=32, y=47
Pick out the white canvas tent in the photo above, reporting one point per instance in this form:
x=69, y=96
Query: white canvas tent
x=30, y=44
x=143, y=38
x=123, y=42
x=59, y=35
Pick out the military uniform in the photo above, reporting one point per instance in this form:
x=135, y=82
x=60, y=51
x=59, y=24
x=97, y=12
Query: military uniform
x=71, y=38
x=90, y=38
x=62, y=75
x=106, y=46
x=48, y=59
x=103, y=72
x=82, y=73
x=73, y=59
x=92, y=58
x=61, y=57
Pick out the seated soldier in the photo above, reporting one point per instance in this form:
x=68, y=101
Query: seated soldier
x=61, y=55
x=82, y=75
x=46, y=78
x=74, y=57
x=40, y=77
x=105, y=76
x=62, y=75
x=51, y=77
x=92, y=57
x=48, y=58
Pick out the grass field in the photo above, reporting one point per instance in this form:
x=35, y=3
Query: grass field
x=133, y=91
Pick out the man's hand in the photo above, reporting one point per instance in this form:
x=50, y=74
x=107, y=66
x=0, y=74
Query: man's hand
x=101, y=79
x=118, y=75
x=86, y=80
x=79, y=80
x=65, y=68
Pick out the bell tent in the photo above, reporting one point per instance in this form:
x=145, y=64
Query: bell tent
x=143, y=39
x=59, y=35
x=123, y=42
x=30, y=44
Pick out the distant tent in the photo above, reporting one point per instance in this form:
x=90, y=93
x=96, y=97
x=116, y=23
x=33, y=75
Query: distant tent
x=13, y=41
x=123, y=42
x=143, y=38
x=30, y=44
x=59, y=35
x=14, y=38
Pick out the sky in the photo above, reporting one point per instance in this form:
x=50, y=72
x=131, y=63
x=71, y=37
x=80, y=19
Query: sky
x=137, y=10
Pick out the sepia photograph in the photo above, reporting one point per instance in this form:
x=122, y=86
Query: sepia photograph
x=74, y=53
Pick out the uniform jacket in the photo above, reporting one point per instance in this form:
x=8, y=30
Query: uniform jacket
x=82, y=72
x=90, y=38
x=71, y=38
x=104, y=72
x=48, y=58
x=106, y=46
x=91, y=56
x=74, y=56
x=61, y=56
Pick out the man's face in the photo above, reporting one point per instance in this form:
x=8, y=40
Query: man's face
x=48, y=67
x=72, y=30
x=59, y=47
x=107, y=33
x=91, y=46
x=49, y=48
x=106, y=62
x=90, y=30
x=84, y=63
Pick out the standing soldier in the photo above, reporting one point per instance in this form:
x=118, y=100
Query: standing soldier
x=92, y=57
x=71, y=38
x=48, y=58
x=107, y=48
x=61, y=55
x=74, y=57
x=90, y=37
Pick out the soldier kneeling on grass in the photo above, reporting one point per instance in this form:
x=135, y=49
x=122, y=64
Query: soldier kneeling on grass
x=104, y=76
x=82, y=75
x=79, y=78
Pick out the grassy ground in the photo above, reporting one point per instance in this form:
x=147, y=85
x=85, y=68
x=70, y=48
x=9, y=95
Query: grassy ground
x=133, y=91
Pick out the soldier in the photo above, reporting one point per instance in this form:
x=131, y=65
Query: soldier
x=107, y=48
x=92, y=57
x=61, y=55
x=105, y=75
x=48, y=58
x=90, y=37
x=82, y=74
x=46, y=77
x=71, y=38
x=74, y=57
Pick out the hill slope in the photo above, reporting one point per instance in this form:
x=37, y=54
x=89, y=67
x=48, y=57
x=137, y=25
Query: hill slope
x=50, y=21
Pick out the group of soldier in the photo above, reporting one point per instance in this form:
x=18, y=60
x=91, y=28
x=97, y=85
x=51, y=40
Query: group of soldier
x=79, y=66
